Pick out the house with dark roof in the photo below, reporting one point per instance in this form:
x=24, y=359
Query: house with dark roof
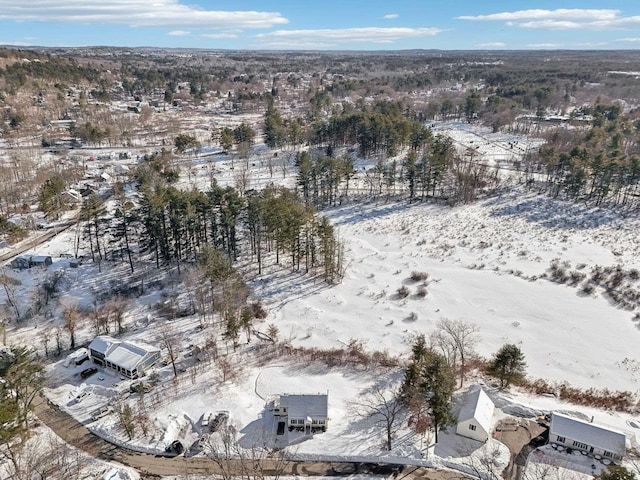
x=126, y=358
x=27, y=261
x=589, y=438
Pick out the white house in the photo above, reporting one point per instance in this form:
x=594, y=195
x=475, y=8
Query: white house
x=128, y=359
x=308, y=413
x=589, y=438
x=474, y=420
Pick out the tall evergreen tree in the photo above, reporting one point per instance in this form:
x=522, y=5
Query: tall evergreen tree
x=508, y=365
x=430, y=381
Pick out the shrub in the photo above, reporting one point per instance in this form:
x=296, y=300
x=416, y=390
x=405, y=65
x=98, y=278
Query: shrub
x=403, y=292
x=419, y=276
x=576, y=277
x=258, y=310
x=422, y=291
x=588, y=289
x=558, y=272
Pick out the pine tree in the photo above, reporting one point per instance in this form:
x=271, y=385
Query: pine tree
x=23, y=375
x=508, y=365
x=429, y=383
x=439, y=383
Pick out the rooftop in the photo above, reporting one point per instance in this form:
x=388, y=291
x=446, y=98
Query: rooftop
x=593, y=435
x=478, y=406
x=306, y=405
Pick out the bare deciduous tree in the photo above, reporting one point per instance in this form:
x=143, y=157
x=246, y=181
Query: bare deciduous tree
x=384, y=408
x=115, y=309
x=9, y=286
x=44, y=457
x=169, y=341
x=228, y=369
x=457, y=340
x=71, y=318
x=486, y=463
x=255, y=462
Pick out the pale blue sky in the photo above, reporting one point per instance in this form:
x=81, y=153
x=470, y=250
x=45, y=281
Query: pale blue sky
x=324, y=24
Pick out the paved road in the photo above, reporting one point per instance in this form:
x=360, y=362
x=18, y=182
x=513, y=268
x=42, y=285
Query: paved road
x=40, y=239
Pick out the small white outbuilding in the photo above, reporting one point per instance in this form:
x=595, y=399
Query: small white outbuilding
x=474, y=420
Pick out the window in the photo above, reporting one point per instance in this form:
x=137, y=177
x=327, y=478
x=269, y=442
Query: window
x=581, y=446
x=472, y=427
x=608, y=454
x=561, y=439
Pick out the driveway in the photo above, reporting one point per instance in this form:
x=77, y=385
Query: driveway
x=516, y=433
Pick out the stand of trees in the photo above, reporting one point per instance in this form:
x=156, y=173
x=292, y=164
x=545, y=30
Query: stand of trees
x=177, y=225
x=429, y=384
x=23, y=376
x=598, y=165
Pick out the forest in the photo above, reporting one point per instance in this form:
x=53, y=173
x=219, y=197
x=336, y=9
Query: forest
x=323, y=114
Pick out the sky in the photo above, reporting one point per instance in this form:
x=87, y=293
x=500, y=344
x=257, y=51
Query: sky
x=323, y=24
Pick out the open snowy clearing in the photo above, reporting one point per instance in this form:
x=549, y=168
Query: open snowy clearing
x=481, y=260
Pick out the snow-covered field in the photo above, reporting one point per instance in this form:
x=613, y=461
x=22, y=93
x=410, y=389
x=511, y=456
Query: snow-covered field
x=485, y=264
x=482, y=260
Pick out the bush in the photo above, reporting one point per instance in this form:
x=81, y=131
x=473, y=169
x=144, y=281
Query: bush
x=422, y=291
x=576, y=277
x=419, y=276
x=588, y=289
x=599, y=398
x=403, y=292
x=258, y=310
x=558, y=272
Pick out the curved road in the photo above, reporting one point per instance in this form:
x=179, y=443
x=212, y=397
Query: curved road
x=76, y=434
x=28, y=244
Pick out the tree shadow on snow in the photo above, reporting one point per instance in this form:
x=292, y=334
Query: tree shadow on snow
x=555, y=214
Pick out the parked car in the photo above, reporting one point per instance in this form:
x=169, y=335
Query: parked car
x=538, y=441
x=220, y=420
x=101, y=412
x=80, y=397
x=87, y=372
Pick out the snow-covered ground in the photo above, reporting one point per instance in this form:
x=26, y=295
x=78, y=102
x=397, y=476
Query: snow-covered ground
x=495, y=149
x=485, y=264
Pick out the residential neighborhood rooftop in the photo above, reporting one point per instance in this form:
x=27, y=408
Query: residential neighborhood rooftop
x=595, y=435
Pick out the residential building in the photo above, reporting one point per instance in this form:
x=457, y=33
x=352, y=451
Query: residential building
x=126, y=358
x=475, y=418
x=308, y=413
x=587, y=437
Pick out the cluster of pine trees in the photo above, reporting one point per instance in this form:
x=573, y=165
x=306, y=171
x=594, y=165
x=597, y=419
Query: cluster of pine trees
x=598, y=165
x=175, y=225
